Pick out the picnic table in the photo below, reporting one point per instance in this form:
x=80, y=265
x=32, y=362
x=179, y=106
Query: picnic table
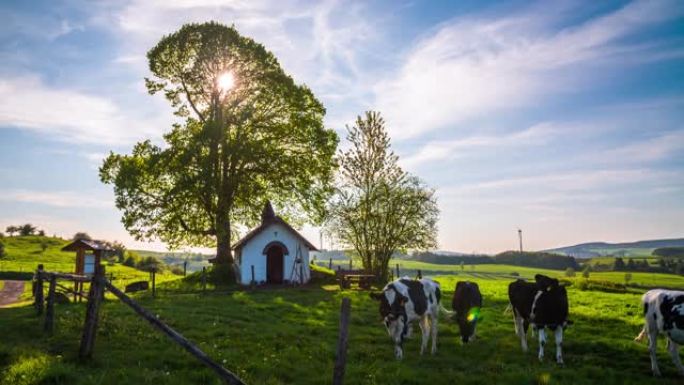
x=363, y=280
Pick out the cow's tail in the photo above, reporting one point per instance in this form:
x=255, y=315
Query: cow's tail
x=508, y=309
x=641, y=335
x=445, y=311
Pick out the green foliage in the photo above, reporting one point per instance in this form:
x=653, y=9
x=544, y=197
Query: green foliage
x=379, y=208
x=221, y=275
x=669, y=252
x=569, y=272
x=81, y=236
x=263, y=139
x=537, y=259
x=628, y=277
x=586, y=271
x=2, y=249
x=22, y=230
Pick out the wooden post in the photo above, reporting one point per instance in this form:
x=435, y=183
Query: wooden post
x=342, y=342
x=90, y=325
x=185, y=268
x=204, y=279
x=330, y=264
x=222, y=372
x=350, y=264
x=398, y=275
x=154, y=281
x=38, y=292
x=253, y=281
x=301, y=273
x=420, y=274
x=50, y=310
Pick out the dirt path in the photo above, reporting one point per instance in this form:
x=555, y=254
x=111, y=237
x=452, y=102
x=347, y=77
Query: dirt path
x=10, y=292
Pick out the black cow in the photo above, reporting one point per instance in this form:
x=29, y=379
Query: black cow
x=466, y=303
x=543, y=304
x=404, y=301
x=664, y=313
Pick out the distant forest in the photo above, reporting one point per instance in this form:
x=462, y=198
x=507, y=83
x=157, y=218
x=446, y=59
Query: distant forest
x=529, y=259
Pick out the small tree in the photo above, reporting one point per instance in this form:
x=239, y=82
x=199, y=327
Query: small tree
x=27, y=229
x=462, y=265
x=619, y=264
x=628, y=278
x=570, y=272
x=41, y=233
x=2, y=249
x=11, y=230
x=378, y=208
x=81, y=236
x=43, y=245
x=586, y=272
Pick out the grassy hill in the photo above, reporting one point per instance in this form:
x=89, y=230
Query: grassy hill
x=23, y=254
x=288, y=336
x=625, y=249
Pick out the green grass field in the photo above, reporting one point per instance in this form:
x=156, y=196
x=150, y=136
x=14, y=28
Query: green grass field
x=287, y=336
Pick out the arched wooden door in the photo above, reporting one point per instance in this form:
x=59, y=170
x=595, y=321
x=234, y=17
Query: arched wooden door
x=274, y=265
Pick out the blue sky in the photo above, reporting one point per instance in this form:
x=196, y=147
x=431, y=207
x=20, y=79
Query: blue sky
x=565, y=119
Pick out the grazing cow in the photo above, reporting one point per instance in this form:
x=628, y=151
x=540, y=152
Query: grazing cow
x=404, y=301
x=466, y=303
x=543, y=304
x=664, y=313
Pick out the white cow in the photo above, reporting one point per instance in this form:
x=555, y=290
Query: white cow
x=664, y=313
x=405, y=301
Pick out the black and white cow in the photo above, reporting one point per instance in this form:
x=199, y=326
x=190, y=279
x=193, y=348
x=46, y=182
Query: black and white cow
x=405, y=301
x=664, y=313
x=543, y=304
x=466, y=303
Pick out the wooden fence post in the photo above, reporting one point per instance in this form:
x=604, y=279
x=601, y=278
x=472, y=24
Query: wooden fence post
x=154, y=281
x=50, y=310
x=350, y=264
x=398, y=275
x=38, y=291
x=330, y=264
x=204, y=279
x=420, y=274
x=185, y=268
x=252, y=282
x=342, y=342
x=90, y=325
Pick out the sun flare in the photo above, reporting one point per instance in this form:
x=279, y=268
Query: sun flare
x=225, y=81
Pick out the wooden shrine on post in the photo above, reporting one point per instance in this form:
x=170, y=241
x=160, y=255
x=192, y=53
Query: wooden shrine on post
x=89, y=254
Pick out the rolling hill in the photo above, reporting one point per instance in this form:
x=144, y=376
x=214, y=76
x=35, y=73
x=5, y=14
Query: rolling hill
x=625, y=249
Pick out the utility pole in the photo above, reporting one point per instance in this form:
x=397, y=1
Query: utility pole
x=520, y=239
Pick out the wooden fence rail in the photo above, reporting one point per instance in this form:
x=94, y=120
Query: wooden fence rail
x=222, y=372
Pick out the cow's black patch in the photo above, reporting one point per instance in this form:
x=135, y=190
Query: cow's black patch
x=551, y=306
x=438, y=294
x=645, y=308
x=521, y=295
x=671, y=317
x=416, y=295
x=467, y=299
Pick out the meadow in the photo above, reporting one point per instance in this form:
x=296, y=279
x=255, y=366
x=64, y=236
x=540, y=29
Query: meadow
x=287, y=336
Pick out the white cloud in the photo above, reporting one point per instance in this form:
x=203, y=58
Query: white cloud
x=62, y=199
x=444, y=150
x=69, y=115
x=474, y=67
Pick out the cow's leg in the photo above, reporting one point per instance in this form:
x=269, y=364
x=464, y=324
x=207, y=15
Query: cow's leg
x=516, y=322
x=433, y=330
x=425, y=331
x=522, y=332
x=559, y=344
x=673, y=348
x=542, y=342
x=652, y=344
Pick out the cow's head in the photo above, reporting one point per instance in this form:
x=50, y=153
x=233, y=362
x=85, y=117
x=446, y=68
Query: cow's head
x=545, y=283
x=392, y=311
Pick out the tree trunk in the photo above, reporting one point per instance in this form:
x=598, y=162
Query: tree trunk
x=223, y=251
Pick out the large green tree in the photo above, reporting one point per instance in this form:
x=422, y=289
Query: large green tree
x=250, y=134
x=379, y=208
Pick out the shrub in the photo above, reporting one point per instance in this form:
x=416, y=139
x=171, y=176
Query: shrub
x=2, y=250
x=570, y=272
x=604, y=286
